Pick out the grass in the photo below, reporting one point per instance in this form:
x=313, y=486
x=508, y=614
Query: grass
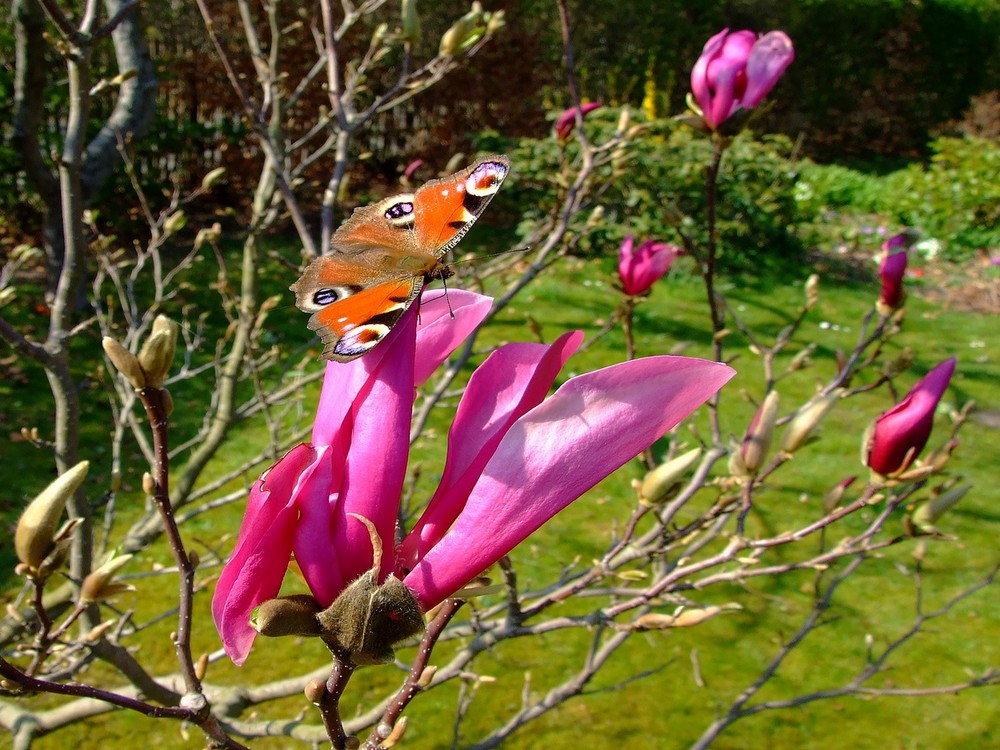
x=668, y=707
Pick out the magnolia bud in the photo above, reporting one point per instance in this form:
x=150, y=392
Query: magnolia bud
x=427, y=676
x=157, y=353
x=665, y=481
x=174, y=223
x=315, y=691
x=812, y=291
x=465, y=32
x=596, y=216
x=683, y=618
x=125, y=362
x=801, y=426
x=623, y=120
x=397, y=732
x=148, y=484
x=410, y=22
x=209, y=180
x=757, y=441
x=201, y=667
x=929, y=513
x=495, y=21
x=99, y=585
x=288, y=615
x=35, y=535
x=207, y=234
x=832, y=498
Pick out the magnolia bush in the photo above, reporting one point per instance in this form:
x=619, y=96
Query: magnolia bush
x=339, y=544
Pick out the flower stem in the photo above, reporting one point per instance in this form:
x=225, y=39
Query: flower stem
x=329, y=704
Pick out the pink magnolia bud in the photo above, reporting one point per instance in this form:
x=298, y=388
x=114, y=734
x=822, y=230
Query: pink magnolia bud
x=892, y=270
x=567, y=120
x=640, y=268
x=737, y=70
x=899, y=435
x=902, y=241
x=412, y=167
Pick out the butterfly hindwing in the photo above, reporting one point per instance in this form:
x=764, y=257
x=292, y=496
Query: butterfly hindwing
x=354, y=324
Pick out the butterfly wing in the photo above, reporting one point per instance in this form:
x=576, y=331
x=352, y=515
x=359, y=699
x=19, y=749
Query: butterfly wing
x=385, y=251
x=352, y=310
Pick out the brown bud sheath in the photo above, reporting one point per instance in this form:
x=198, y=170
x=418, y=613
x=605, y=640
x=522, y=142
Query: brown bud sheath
x=287, y=615
x=369, y=618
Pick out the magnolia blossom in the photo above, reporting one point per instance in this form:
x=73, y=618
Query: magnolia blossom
x=567, y=120
x=515, y=459
x=899, y=435
x=640, y=268
x=892, y=270
x=736, y=70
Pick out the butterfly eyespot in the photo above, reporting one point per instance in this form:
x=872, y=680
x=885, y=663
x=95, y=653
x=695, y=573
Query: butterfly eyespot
x=486, y=179
x=325, y=297
x=398, y=211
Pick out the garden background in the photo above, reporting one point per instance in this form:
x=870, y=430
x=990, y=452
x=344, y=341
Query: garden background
x=888, y=119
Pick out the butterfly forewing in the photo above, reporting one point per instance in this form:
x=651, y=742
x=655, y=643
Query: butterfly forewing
x=383, y=254
x=445, y=209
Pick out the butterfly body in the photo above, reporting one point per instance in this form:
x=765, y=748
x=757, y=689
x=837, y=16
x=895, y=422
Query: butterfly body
x=385, y=252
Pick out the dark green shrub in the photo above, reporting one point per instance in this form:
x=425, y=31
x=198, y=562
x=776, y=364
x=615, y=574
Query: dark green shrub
x=663, y=174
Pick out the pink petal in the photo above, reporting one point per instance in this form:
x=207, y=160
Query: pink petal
x=699, y=74
x=770, y=57
x=257, y=566
x=316, y=496
x=892, y=271
x=592, y=426
x=513, y=379
x=376, y=462
x=438, y=333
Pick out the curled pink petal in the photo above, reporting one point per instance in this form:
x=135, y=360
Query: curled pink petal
x=699, y=73
x=639, y=269
x=769, y=58
x=590, y=427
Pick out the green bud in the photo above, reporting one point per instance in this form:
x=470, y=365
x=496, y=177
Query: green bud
x=931, y=512
x=174, y=223
x=812, y=291
x=157, y=353
x=665, y=481
x=125, y=362
x=410, y=22
x=209, y=180
x=757, y=441
x=35, y=536
x=100, y=585
x=808, y=419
